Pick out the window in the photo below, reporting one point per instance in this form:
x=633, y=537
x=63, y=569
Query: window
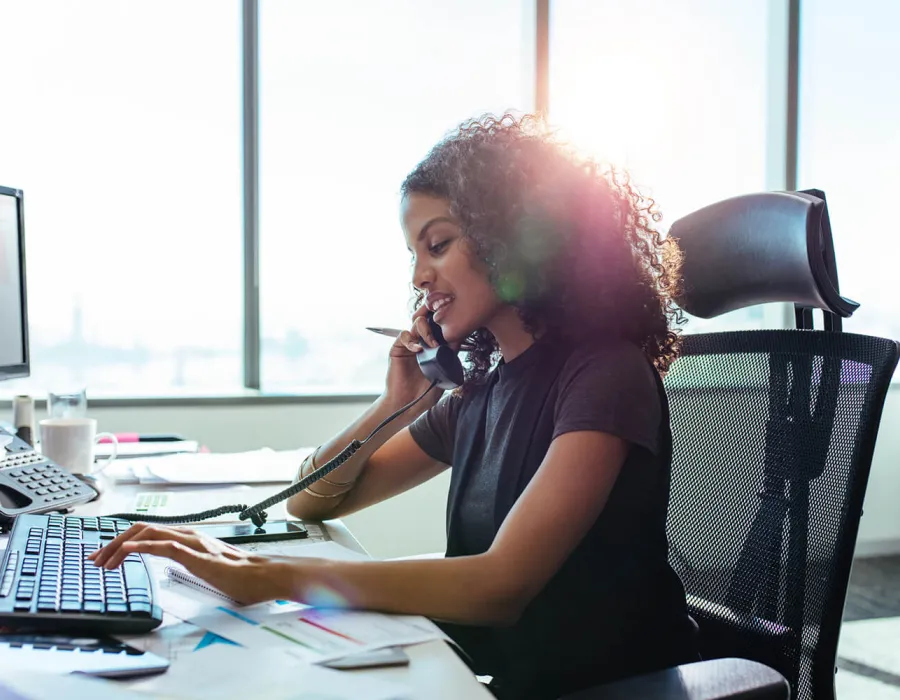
x=678, y=94
x=850, y=145
x=122, y=124
x=352, y=96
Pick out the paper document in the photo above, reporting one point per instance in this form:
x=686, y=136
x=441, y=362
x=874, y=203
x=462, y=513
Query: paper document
x=317, y=634
x=187, y=602
x=145, y=449
x=308, y=633
x=19, y=685
x=223, y=672
x=257, y=466
x=172, y=641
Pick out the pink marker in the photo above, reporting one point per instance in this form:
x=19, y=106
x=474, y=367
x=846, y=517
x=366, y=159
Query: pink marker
x=144, y=437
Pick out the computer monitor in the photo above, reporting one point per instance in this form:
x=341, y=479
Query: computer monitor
x=13, y=308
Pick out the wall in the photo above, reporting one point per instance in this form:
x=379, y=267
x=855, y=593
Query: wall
x=414, y=522
x=879, y=530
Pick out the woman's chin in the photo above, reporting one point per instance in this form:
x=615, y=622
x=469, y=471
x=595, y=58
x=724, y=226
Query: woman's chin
x=452, y=333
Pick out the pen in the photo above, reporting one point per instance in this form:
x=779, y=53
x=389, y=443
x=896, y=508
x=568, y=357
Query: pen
x=393, y=333
x=390, y=332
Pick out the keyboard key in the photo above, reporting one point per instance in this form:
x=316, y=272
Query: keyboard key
x=141, y=608
x=135, y=575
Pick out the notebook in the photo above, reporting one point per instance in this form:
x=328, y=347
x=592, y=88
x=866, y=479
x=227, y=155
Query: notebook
x=177, y=573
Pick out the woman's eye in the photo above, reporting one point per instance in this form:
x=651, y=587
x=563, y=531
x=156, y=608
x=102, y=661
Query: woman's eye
x=439, y=247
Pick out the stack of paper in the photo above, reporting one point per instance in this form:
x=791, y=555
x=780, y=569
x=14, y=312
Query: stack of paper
x=276, y=646
x=307, y=633
x=257, y=466
x=145, y=449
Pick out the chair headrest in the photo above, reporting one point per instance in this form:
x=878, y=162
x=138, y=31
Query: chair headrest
x=757, y=249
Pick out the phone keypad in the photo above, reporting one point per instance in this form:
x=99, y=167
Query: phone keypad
x=43, y=483
x=45, y=480
x=20, y=459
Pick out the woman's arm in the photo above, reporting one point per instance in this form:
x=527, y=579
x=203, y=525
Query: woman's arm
x=408, y=465
x=548, y=521
x=372, y=481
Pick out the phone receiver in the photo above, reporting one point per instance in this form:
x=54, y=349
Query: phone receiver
x=440, y=364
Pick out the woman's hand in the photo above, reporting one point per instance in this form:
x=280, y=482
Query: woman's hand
x=248, y=578
x=405, y=380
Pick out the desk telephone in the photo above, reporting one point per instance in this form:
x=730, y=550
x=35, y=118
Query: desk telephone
x=441, y=365
x=31, y=483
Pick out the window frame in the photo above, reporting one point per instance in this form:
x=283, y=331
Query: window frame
x=783, y=82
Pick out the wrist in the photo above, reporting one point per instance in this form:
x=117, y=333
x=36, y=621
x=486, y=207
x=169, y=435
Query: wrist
x=287, y=577
x=298, y=579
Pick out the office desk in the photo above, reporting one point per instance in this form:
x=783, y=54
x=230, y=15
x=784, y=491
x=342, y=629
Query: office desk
x=435, y=671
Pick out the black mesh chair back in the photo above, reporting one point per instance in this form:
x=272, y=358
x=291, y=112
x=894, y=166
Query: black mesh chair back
x=773, y=435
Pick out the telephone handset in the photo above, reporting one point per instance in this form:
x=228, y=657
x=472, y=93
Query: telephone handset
x=441, y=364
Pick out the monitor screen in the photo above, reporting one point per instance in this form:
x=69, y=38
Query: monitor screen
x=13, y=316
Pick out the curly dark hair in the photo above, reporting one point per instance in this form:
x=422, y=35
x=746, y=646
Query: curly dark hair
x=571, y=245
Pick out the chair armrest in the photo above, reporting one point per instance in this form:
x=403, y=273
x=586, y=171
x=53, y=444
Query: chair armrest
x=718, y=679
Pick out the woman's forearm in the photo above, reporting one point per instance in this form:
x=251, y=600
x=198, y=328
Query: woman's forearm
x=310, y=507
x=464, y=590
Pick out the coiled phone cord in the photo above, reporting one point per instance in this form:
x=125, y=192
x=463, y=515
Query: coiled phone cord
x=257, y=513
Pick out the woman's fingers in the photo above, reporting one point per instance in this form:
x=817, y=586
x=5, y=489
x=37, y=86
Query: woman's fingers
x=423, y=330
x=115, y=552
x=102, y=555
x=199, y=563
x=410, y=342
x=247, y=582
x=419, y=335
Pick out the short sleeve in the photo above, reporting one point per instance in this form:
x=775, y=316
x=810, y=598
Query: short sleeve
x=610, y=389
x=435, y=430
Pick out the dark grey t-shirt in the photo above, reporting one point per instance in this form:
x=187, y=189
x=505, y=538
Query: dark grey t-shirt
x=615, y=606
x=610, y=390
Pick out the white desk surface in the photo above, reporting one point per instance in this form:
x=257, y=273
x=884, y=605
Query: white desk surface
x=435, y=672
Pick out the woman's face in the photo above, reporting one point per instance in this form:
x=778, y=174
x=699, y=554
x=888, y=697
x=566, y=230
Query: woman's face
x=456, y=285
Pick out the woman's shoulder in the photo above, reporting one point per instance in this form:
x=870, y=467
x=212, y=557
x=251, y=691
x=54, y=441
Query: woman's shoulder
x=612, y=358
x=610, y=386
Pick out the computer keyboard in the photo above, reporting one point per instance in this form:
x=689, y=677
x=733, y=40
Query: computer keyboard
x=47, y=581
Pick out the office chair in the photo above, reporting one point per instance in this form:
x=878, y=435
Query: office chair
x=773, y=435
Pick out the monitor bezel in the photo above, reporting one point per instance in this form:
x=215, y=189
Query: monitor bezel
x=24, y=369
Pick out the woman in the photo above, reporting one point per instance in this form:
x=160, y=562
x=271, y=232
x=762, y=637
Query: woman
x=556, y=575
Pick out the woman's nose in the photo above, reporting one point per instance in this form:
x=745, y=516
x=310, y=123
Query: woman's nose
x=423, y=274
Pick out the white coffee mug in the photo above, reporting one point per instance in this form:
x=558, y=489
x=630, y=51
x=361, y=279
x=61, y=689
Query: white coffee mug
x=70, y=443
